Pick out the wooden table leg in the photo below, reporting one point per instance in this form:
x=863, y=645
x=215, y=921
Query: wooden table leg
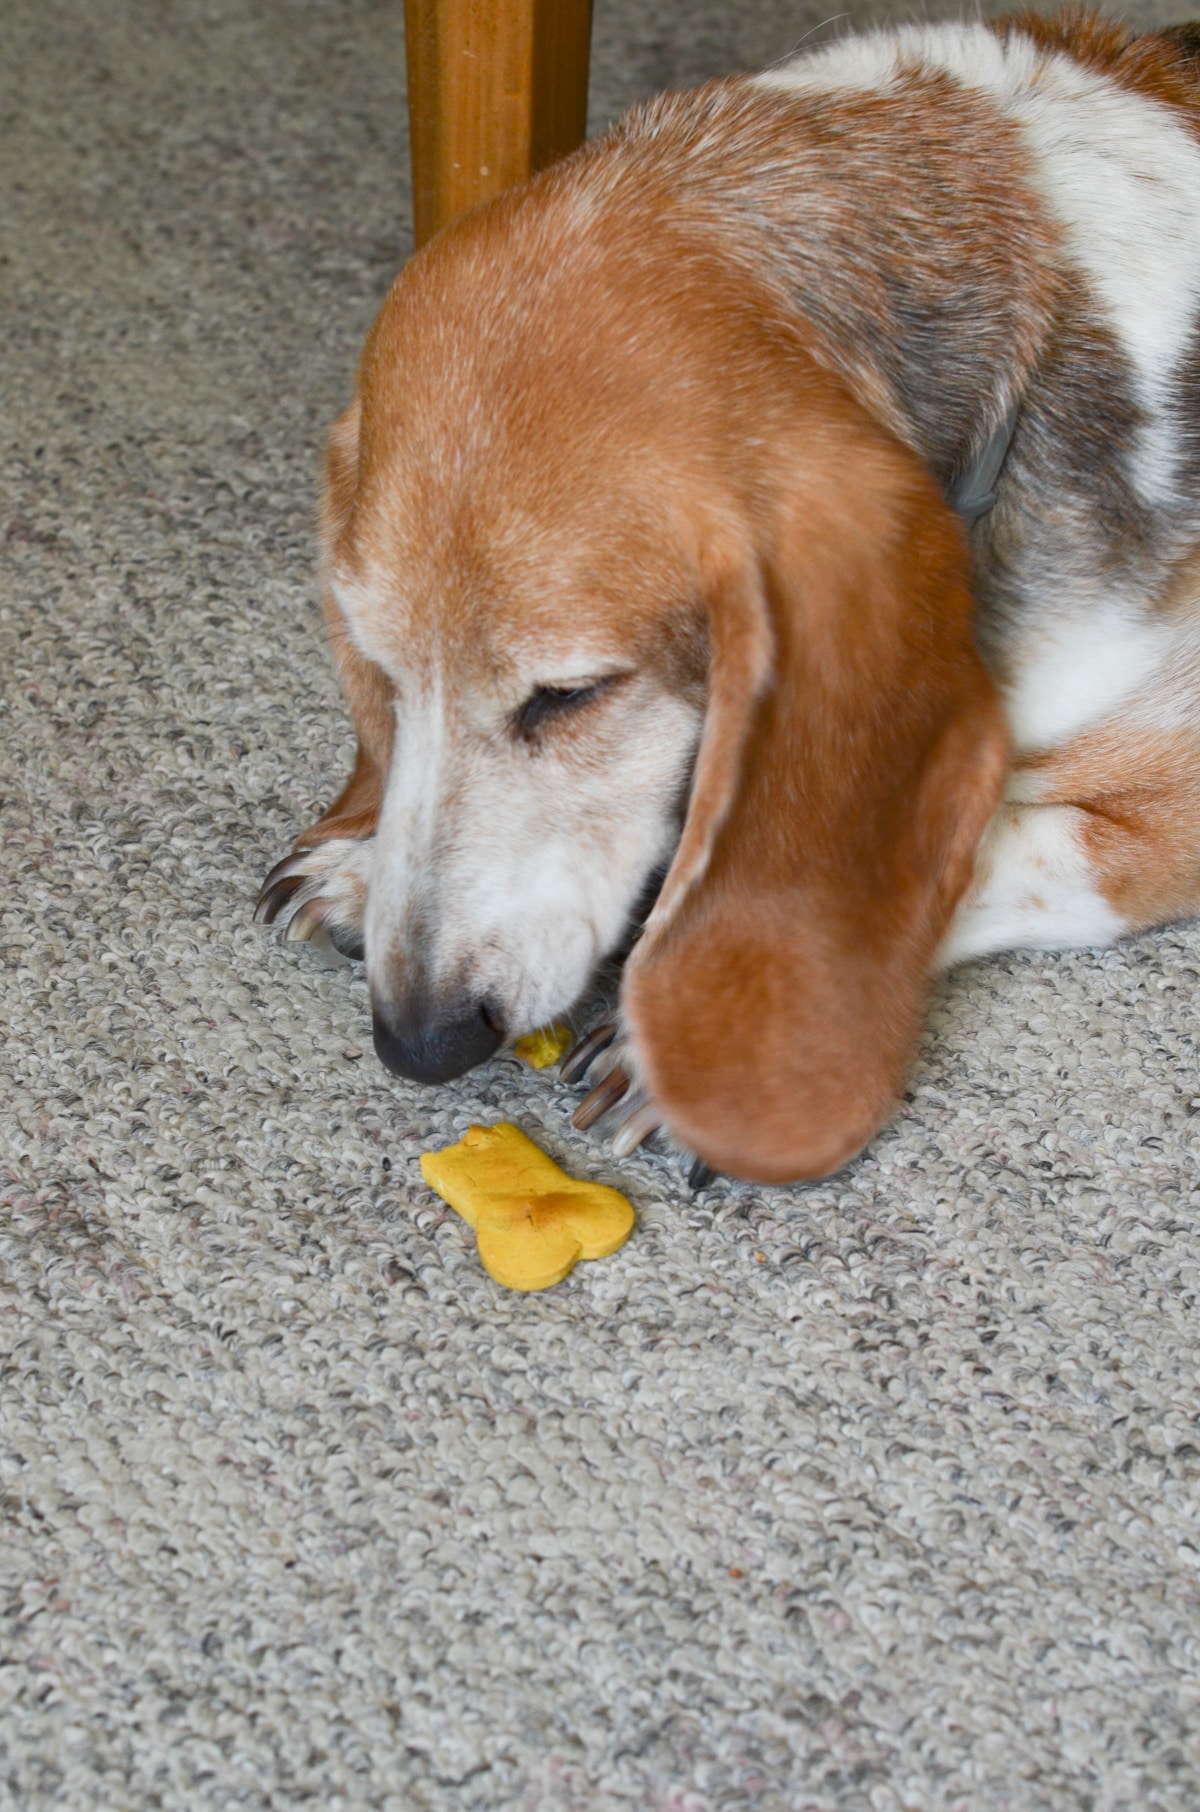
x=496, y=90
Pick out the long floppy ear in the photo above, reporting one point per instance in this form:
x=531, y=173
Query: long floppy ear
x=776, y=996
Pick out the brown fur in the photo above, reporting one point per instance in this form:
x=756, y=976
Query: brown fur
x=775, y=1006
x=1138, y=816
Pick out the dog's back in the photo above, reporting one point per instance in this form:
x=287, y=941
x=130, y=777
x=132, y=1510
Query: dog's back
x=994, y=234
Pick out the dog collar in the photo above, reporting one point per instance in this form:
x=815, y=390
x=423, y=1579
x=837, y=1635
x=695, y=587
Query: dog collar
x=974, y=491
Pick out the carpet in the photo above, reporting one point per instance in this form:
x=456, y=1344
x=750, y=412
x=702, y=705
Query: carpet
x=879, y=1494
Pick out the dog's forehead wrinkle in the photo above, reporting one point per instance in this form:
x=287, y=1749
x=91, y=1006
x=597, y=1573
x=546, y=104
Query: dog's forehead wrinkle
x=580, y=355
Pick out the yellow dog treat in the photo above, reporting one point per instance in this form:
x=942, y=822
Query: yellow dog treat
x=541, y=1049
x=532, y=1221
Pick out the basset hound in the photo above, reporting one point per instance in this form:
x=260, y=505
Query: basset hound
x=778, y=523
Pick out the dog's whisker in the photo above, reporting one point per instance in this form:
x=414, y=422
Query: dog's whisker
x=605, y=1095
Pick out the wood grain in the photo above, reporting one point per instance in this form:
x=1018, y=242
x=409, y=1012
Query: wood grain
x=497, y=89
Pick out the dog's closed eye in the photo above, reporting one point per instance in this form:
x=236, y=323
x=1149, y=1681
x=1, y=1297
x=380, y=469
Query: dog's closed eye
x=548, y=703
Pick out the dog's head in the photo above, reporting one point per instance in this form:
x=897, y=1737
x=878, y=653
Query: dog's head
x=651, y=593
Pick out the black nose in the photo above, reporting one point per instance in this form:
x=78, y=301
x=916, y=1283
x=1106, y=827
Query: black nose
x=434, y=1045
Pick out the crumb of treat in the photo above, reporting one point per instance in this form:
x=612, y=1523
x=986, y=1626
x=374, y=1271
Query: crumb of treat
x=540, y=1049
x=532, y=1221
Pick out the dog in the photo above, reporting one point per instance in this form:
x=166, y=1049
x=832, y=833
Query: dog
x=786, y=509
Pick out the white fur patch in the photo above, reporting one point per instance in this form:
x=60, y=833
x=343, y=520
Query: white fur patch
x=877, y=61
x=511, y=869
x=405, y=834
x=359, y=607
x=1033, y=887
x=1076, y=670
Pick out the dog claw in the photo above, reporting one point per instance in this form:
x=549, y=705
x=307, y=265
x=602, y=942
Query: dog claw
x=700, y=1175
x=348, y=943
x=606, y=1094
x=307, y=920
x=639, y=1117
x=276, y=892
x=320, y=888
x=638, y=1126
x=580, y=1058
x=291, y=864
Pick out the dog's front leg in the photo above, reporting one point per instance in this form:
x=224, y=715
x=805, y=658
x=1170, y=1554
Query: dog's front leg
x=321, y=886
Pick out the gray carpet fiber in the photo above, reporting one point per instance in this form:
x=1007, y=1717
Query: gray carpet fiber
x=879, y=1494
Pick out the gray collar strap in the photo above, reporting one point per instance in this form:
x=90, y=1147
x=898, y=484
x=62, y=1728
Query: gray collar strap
x=974, y=491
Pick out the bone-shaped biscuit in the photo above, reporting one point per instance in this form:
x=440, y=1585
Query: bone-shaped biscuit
x=542, y=1048
x=532, y=1221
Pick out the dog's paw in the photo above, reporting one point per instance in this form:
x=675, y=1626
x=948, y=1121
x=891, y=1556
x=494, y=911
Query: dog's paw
x=607, y=1061
x=320, y=889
